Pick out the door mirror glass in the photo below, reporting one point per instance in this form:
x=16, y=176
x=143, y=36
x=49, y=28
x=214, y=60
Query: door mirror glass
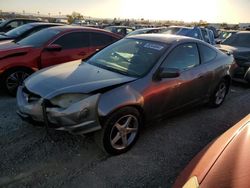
x=168, y=73
x=54, y=48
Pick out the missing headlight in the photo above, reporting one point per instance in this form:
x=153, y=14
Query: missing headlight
x=65, y=100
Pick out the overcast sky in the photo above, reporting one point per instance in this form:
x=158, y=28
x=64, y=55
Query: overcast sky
x=230, y=11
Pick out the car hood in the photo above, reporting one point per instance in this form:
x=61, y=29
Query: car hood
x=73, y=77
x=227, y=153
x=8, y=49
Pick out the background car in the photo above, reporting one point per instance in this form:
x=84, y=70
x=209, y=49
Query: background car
x=1, y=20
x=239, y=45
x=194, y=32
x=224, y=34
x=214, y=30
x=223, y=163
x=120, y=30
x=146, y=31
x=48, y=47
x=116, y=91
x=25, y=30
x=208, y=35
x=10, y=24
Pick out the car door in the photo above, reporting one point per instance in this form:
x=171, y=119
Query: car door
x=75, y=45
x=194, y=79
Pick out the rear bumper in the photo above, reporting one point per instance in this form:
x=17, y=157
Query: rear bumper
x=80, y=119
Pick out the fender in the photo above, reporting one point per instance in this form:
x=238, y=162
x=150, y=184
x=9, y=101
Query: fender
x=124, y=96
x=247, y=75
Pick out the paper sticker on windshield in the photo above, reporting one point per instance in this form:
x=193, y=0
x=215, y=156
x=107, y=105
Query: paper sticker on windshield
x=154, y=46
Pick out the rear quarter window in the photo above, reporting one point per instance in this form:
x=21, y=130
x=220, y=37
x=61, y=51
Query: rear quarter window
x=101, y=39
x=73, y=40
x=207, y=54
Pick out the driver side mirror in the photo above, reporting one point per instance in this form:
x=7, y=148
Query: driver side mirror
x=167, y=73
x=53, y=48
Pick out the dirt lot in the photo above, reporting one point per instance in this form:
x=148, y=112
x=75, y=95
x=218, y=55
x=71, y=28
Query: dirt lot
x=30, y=159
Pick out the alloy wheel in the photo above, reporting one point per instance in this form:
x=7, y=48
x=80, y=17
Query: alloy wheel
x=221, y=93
x=15, y=79
x=124, y=132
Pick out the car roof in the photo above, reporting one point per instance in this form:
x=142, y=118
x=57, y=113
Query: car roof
x=118, y=26
x=23, y=19
x=147, y=29
x=44, y=23
x=165, y=38
x=66, y=28
x=72, y=27
x=182, y=27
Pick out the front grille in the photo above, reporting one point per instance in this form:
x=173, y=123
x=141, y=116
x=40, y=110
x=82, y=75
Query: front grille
x=31, y=97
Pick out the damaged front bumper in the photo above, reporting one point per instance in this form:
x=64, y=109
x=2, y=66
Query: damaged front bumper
x=79, y=118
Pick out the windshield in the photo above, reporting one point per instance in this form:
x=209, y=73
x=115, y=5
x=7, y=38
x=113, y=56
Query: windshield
x=40, y=38
x=131, y=57
x=139, y=31
x=239, y=39
x=3, y=23
x=19, y=30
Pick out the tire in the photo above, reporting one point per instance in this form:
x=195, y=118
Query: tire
x=219, y=94
x=120, y=131
x=13, y=79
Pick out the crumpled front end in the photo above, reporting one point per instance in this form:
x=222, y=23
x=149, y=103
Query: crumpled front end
x=80, y=117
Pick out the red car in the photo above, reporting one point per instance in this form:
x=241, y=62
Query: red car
x=224, y=163
x=48, y=47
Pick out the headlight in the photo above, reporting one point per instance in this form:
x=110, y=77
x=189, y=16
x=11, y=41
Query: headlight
x=65, y=100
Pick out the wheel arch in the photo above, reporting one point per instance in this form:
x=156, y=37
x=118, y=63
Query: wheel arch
x=138, y=107
x=247, y=75
x=10, y=69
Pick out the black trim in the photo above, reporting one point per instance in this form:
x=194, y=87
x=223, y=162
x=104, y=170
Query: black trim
x=14, y=55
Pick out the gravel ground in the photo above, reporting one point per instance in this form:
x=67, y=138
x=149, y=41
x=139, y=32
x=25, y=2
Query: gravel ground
x=29, y=158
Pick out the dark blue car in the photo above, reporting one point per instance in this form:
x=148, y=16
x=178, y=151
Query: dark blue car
x=194, y=32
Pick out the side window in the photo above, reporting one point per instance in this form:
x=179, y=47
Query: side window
x=121, y=31
x=34, y=30
x=183, y=57
x=128, y=30
x=73, y=40
x=100, y=39
x=14, y=24
x=29, y=21
x=205, y=35
x=207, y=53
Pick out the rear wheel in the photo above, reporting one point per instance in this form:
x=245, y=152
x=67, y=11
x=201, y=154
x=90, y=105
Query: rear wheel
x=120, y=131
x=13, y=79
x=219, y=94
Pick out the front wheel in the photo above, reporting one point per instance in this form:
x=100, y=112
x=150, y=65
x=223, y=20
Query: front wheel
x=120, y=131
x=13, y=79
x=219, y=94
